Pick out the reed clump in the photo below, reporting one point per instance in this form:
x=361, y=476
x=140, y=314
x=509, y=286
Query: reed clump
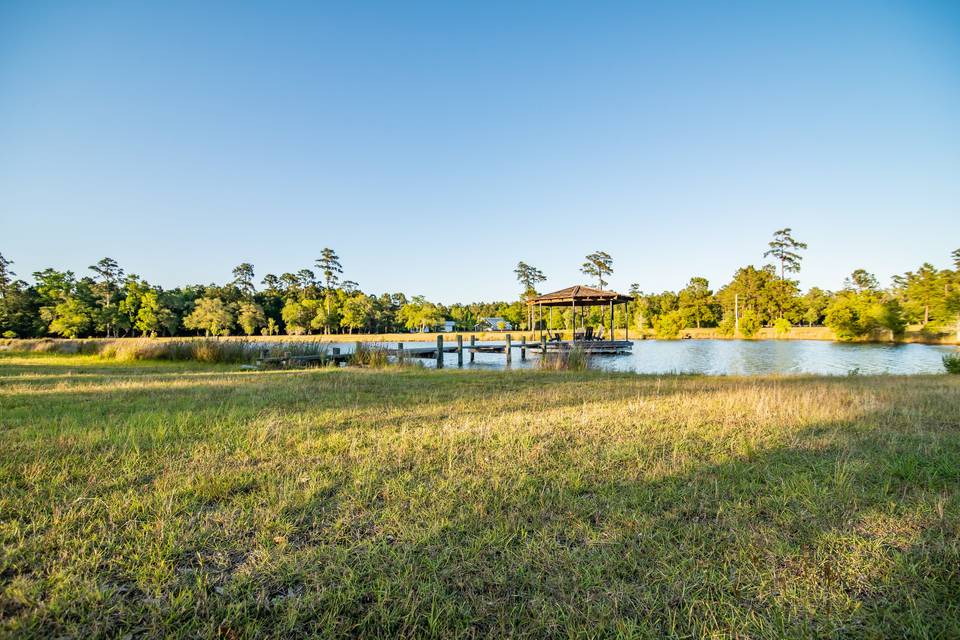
x=574, y=359
x=371, y=356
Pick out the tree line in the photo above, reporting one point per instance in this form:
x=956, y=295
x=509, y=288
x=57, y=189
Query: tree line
x=108, y=302
x=111, y=303
x=766, y=296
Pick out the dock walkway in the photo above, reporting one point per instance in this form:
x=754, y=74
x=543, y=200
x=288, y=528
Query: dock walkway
x=436, y=351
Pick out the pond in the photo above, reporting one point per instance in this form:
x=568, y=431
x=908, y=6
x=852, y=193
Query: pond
x=739, y=357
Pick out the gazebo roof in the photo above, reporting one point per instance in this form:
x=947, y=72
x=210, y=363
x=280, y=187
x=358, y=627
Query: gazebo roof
x=581, y=295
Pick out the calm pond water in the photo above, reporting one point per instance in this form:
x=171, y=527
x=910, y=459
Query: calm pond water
x=740, y=357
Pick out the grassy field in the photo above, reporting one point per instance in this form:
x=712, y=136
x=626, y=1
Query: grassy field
x=189, y=500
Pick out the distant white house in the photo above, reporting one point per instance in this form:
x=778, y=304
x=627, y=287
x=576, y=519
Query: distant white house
x=448, y=326
x=493, y=324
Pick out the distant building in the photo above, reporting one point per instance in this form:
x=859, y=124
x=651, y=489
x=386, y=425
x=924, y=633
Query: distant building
x=449, y=326
x=493, y=324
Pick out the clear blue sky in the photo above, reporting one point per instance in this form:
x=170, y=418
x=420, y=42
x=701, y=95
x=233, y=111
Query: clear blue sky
x=434, y=145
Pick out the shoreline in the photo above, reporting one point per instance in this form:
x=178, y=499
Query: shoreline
x=823, y=334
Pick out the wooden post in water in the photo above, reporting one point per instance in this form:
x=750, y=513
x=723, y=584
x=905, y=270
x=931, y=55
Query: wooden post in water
x=459, y=350
x=473, y=343
x=439, y=351
x=543, y=345
x=400, y=352
x=508, y=350
x=523, y=348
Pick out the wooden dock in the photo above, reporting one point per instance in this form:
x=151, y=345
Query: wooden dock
x=507, y=348
x=435, y=351
x=288, y=360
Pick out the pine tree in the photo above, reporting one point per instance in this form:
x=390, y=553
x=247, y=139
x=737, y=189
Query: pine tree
x=784, y=249
x=330, y=267
x=598, y=265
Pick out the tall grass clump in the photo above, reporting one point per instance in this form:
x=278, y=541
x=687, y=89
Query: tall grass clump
x=50, y=345
x=301, y=349
x=209, y=350
x=316, y=351
x=221, y=351
x=574, y=359
x=951, y=362
x=365, y=355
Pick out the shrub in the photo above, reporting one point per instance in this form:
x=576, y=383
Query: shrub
x=863, y=314
x=951, y=362
x=726, y=325
x=749, y=324
x=669, y=325
x=782, y=327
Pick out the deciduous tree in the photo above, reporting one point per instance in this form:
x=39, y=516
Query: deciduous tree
x=861, y=309
x=696, y=302
x=250, y=317
x=357, y=312
x=70, y=318
x=212, y=316
x=153, y=317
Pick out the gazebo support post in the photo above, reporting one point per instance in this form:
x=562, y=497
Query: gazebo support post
x=540, y=311
x=611, y=321
x=573, y=334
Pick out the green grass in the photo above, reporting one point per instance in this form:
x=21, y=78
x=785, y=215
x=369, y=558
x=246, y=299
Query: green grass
x=187, y=500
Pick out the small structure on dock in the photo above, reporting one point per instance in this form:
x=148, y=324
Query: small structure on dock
x=579, y=296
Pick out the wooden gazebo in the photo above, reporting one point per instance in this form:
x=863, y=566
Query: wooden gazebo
x=581, y=296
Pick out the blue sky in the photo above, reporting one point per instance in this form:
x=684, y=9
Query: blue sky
x=434, y=145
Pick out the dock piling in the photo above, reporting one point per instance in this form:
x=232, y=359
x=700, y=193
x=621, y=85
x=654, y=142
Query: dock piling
x=400, y=352
x=543, y=345
x=523, y=348
x=473, y=343
x=508, y=351
x=439, y=352
x=459, y=350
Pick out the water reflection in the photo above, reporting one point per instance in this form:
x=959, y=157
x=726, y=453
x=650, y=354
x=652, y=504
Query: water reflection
x=738, y=357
